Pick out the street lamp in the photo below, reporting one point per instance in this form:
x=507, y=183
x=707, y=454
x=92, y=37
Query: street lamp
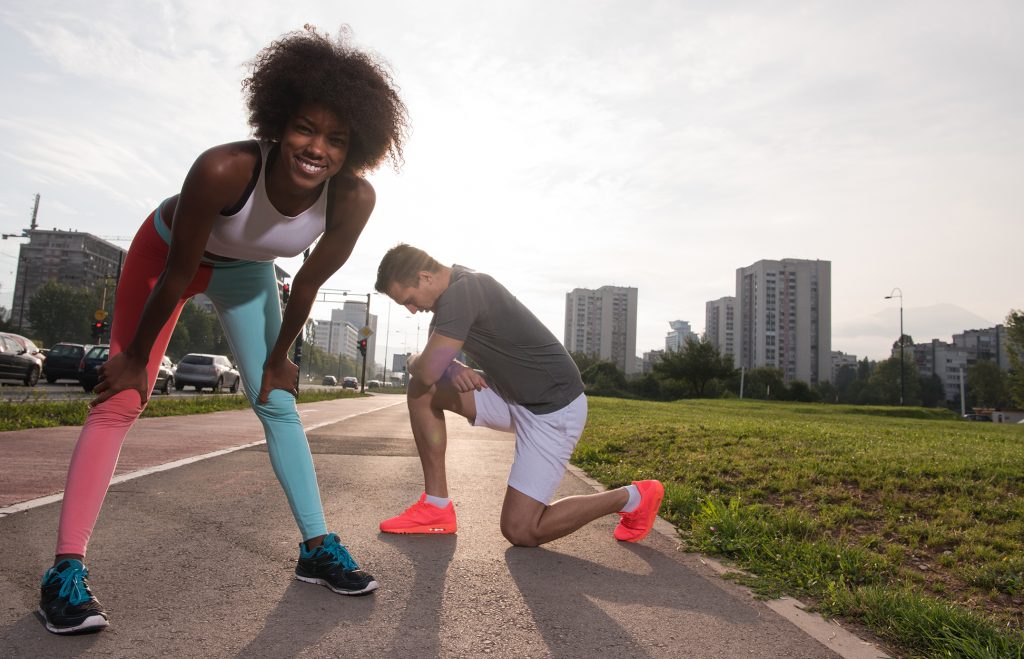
x=899, y=294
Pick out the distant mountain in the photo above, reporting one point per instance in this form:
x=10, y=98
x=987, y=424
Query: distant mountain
x=872, y=336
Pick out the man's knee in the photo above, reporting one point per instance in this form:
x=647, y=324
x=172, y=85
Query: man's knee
x=519, y=533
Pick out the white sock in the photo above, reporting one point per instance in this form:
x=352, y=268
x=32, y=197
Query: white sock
x=442, y=502
x=634, y=499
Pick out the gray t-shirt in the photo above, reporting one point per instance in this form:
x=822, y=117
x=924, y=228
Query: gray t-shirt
x=521, y=359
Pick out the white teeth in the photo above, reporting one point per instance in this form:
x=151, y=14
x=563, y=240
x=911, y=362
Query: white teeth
x=310, y=168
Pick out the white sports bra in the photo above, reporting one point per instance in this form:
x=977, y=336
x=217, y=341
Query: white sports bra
x=259, y=232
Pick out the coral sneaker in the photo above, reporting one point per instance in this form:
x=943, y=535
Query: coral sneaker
x=422, y=517
x=634, y=526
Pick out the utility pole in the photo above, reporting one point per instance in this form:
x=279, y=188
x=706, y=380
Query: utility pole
x=23, y=276
x=897, y=293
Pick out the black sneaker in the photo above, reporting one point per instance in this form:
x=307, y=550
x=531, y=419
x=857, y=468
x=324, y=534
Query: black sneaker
x=66, y=603
x=331, y=565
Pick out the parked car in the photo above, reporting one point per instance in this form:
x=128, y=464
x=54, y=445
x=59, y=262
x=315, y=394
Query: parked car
x=62, y=361
x=16, y=362
x=350, y=383
x=165, y=376
x=31, y=349
x=210, y=371
x=978, y=417
x=329, y=381
x=94, y=357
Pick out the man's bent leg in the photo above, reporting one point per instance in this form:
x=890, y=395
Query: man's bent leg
x=526, y=522
x=426, y=415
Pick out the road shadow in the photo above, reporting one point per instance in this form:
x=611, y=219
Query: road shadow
x=420, y=623
x=28, y=638
x=303, y=616
x=563, y=591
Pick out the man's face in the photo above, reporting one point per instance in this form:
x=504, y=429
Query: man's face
x=421, y=297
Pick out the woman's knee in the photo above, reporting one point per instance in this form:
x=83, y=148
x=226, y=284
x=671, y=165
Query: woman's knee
x=123, y=407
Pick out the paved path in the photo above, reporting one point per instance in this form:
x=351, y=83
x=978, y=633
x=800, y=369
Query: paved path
x=197, y=562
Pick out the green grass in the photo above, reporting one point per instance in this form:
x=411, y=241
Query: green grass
x=40, y=413
x=867, y=512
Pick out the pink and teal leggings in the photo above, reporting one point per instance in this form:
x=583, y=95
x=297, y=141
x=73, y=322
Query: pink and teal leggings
x=244, y=294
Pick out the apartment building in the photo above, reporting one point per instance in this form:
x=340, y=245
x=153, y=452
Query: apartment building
x=950, y=360
x=946, y=360
x=72, y=258
x=784, y=317
x=602, y=323
x=339, y=335
x=720, y=325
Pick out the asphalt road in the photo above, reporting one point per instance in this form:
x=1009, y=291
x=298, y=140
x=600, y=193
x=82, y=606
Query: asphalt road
x=197, y=561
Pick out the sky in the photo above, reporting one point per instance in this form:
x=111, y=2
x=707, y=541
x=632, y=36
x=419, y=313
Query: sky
x=577, y=144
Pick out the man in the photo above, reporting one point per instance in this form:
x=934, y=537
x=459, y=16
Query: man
x=530, y=386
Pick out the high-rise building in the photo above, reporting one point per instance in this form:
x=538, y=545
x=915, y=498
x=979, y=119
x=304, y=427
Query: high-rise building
x=784, y=317
x=339, y=335
x=602, y=323
x=72, y=258
x=676, y=339
x=720, y=325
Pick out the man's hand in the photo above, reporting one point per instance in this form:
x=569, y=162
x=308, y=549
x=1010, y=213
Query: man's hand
x=464, y=378
x=121, y=373
x=283, y=374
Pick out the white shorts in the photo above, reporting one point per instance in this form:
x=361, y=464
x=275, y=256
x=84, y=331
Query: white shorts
x=544, y=442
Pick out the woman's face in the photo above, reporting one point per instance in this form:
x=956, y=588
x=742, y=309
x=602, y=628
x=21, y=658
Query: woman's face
x=314, y=145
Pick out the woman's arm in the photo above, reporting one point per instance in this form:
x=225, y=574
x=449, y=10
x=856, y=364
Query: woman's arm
x=216, y=180
x=352, y=201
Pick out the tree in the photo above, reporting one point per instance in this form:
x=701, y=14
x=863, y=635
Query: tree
x=885, y=382
x=986, y=384
x=58, y=312
x=697, y=364
x=800, y=391
x=604, y=376
x=1015, y=343
x=764, y=382
x=933, y=393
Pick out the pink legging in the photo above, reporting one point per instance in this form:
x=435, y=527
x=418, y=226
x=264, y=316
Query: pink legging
x=245, y=296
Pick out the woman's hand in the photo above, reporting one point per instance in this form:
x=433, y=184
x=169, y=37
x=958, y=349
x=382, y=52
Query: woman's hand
x=121, y=373
x=279, y=374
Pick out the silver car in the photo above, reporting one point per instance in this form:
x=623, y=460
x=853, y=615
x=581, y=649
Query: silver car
x=214, y=372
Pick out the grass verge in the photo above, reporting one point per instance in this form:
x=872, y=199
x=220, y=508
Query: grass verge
x=909, y=522
x=40, y=413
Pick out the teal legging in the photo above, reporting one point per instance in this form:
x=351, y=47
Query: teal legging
x=244, y=294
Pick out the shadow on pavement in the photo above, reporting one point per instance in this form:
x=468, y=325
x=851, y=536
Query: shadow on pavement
x=666, y=593
x=420, y=625
x=304, y=615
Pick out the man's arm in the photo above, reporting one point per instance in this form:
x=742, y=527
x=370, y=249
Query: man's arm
x=437, y=358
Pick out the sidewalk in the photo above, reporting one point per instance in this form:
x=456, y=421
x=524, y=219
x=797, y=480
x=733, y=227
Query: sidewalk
x=197, y=562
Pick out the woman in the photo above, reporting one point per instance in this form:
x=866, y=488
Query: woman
x=323, y=114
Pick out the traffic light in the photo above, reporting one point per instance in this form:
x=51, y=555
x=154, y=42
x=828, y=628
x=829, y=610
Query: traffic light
x=97, y=330
x=362, y=347
x=286, y=289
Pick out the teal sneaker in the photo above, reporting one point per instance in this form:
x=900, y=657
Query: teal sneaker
x=331, y=565
x=66, y=603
